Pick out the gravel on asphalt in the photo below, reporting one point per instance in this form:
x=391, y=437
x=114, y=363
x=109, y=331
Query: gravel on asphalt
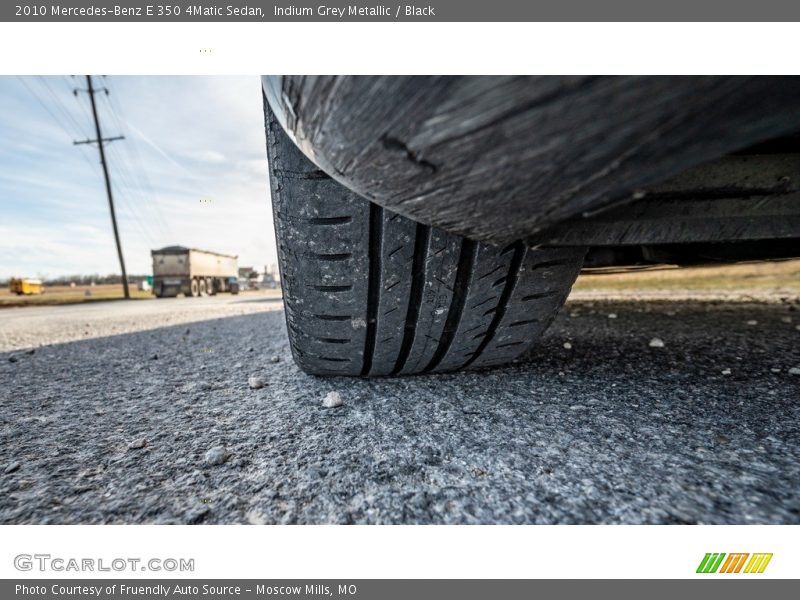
x=609, y=429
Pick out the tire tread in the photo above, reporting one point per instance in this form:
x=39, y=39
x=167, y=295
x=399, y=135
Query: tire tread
x=370, y=293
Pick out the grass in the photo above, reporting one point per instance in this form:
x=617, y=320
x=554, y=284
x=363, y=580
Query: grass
x=783, y=275
x=777, y=275
x=64, y=294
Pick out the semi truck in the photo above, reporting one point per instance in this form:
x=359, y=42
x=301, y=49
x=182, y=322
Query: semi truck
x=193, y=272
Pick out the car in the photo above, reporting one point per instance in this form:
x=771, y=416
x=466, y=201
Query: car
x=431, y=224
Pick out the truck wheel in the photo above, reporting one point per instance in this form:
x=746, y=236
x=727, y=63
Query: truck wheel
x=195, y=288
x=210, y=287
x=368, y=292
x=202, y=287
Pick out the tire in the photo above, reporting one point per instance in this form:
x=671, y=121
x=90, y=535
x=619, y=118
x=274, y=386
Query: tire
x=368, y=292
x=210, y=287
x=202, y=287
x=195, y=288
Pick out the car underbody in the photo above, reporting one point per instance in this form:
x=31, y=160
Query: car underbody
x=666, y=161
x=429, y=224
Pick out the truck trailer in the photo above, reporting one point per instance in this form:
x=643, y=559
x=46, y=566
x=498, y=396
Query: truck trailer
x=193, y=272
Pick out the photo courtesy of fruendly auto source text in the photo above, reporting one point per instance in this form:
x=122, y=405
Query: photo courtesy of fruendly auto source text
x=455, y=299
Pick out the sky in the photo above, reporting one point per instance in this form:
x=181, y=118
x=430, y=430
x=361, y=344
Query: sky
x=191, y=171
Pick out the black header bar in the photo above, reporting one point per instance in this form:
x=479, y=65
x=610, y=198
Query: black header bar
x=390, y=10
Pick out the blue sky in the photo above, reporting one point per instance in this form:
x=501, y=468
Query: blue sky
x=191, y=171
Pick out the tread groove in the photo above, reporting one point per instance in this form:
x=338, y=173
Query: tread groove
x=421, y=240
x=373, y=284
x=332, y=288
x=333, y=317
x=329, y=257
x=331, y=358
x=511, y=281
x=327, y=340
x=550, y=263
x=509, y=248
x=509, y=344
x=460, y=289
x=499, y=281
x=479, y=304
x=540, y=295
x=328, y=220
x=525, y=322
x=490, y=273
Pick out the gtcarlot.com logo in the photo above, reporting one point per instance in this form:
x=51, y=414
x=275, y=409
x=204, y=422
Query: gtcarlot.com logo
x=47, y=562
x=738, y=562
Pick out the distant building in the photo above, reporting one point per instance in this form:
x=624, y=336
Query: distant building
x=249, y=278
x=247, y=273
x=272, y=277
x=273, y=271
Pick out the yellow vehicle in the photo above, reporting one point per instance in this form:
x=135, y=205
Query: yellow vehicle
x=25, y=287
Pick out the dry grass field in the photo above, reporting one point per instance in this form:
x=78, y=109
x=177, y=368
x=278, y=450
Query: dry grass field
x=64, y=294
x=777, y=276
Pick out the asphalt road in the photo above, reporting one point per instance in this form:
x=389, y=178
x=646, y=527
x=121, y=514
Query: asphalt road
x=33, y=326
x=125, y=428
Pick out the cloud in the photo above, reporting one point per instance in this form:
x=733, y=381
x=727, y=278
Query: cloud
x=192, y=170
x=208, y=156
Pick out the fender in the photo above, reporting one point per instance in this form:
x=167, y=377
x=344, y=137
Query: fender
x=506, y=158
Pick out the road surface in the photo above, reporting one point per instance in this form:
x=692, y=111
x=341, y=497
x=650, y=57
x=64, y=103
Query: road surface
x=599, y=426
x=29, y=327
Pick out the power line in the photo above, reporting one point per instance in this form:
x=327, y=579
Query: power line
x=62, y=117
x=130, y=183
x=83, y=108
x=130, y=202
x=144, y=231
x=101, y=141
x=131, y=192
x=58, y=121
x=143, y=183
x=61, y=106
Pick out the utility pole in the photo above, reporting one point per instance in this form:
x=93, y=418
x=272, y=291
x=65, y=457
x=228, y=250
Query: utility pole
x=100, y=140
